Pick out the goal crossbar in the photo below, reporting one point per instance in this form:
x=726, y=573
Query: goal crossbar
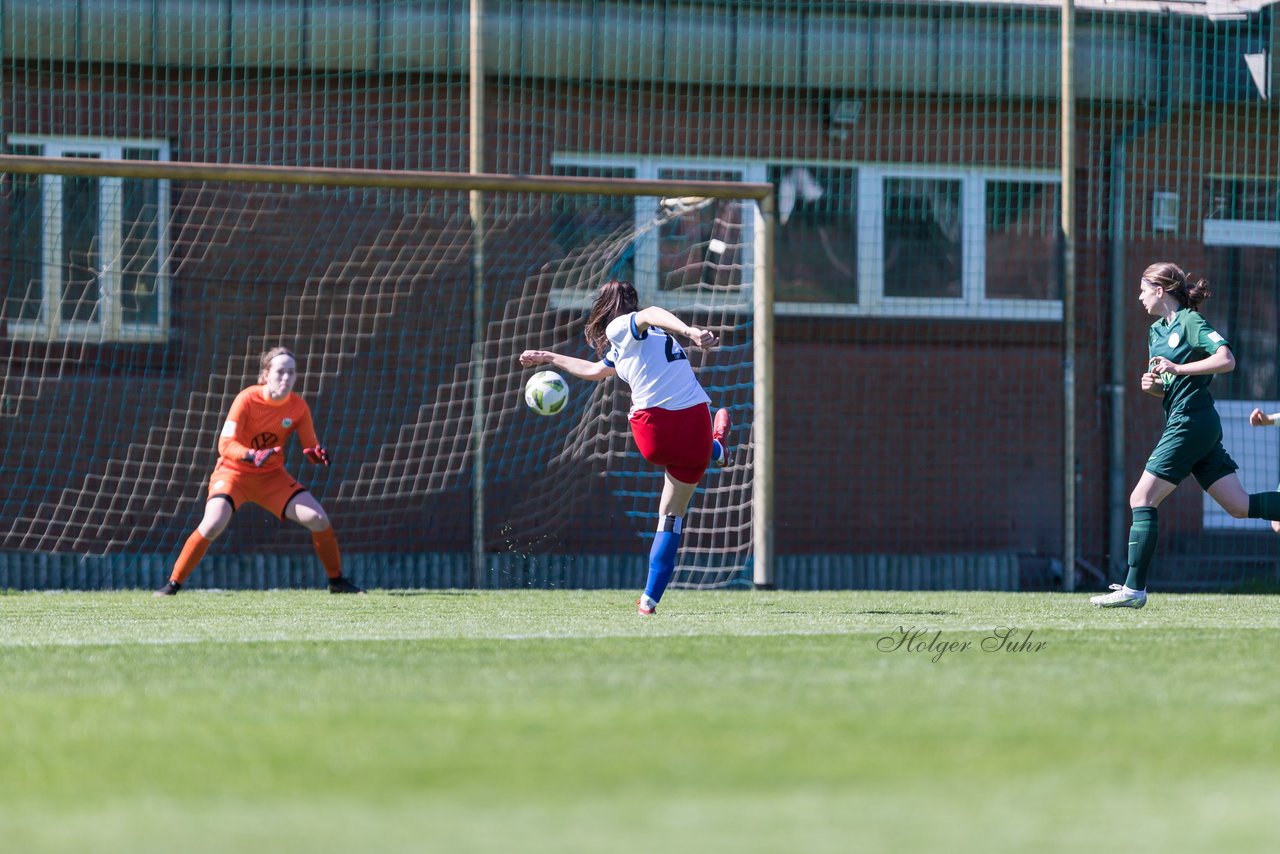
x=383, y=178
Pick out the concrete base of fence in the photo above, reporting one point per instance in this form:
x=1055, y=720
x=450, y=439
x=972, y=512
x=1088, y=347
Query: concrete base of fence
x=982, y=571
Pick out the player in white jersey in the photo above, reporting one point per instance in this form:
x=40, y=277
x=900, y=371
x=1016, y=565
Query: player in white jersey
x=670, y=418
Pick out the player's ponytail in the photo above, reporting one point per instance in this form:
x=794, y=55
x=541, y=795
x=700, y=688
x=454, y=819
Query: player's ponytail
x=1197, y=292
x=265, y=365
x=614, y=298
x=1189, y=291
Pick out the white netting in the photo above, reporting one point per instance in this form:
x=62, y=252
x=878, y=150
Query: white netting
x=114, y=420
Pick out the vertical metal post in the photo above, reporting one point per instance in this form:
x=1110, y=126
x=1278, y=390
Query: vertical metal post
x=1117, y=499
x=479, y=570
x=762, y=423
x=1067, y=141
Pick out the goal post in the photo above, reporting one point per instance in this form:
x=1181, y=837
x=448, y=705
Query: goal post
x=139, y=294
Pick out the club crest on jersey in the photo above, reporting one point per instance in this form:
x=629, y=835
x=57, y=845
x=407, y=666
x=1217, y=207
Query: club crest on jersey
x=286, y=423
x=1174, y=338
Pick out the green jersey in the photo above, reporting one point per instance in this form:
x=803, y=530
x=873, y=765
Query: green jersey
x=1186, y=338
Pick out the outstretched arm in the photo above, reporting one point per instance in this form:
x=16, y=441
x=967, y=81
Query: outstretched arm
x=663, y=319
x=580, y=368
x=1258, y=418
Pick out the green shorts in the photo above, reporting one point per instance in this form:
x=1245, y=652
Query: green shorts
x=1192, y=444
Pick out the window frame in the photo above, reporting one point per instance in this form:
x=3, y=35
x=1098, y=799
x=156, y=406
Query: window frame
x=973, y=304
x=798, y=307
x=1229, y=231
x=110, y=328
x=647, y=250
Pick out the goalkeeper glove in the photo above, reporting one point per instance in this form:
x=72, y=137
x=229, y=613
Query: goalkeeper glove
x=318, y=455
x=260, y=456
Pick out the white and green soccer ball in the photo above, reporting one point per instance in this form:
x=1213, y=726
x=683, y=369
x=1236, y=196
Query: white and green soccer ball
x=546, y=392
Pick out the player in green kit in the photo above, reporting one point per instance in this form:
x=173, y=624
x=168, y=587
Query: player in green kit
x=1185, y=353
x=1258, y=418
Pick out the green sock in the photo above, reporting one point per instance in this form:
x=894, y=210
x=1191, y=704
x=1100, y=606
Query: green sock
x=1265, y=505
x=1142, y=546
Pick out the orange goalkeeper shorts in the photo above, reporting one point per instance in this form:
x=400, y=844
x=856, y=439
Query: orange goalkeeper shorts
x=271, y=488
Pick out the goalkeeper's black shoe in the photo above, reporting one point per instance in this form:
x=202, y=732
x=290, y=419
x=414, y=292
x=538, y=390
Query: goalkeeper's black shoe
x=170, y=588
x=342, y=584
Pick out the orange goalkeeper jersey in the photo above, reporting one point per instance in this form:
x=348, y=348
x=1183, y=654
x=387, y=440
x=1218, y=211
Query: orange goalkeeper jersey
x=256, y=421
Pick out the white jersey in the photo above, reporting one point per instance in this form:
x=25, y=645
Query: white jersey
x=654, y=365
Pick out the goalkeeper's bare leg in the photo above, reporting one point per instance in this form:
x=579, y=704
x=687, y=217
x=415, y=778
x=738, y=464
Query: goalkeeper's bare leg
x=218, y=511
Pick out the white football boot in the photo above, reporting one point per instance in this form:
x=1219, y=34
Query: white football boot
x=1120, y=597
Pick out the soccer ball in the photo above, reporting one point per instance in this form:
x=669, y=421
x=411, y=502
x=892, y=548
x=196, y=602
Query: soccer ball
x=546, y=392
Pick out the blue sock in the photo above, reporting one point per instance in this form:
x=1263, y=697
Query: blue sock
x=717, y=451
x=662, y=556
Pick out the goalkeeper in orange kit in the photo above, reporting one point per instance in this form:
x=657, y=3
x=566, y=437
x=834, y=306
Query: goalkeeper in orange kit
x=251, y=469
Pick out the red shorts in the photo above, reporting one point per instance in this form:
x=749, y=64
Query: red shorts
x=272, y=489
x=678, y=439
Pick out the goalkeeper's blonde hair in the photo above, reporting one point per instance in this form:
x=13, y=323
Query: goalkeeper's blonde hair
x=265, y=365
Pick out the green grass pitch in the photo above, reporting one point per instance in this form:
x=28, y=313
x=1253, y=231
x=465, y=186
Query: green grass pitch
x=558, y=721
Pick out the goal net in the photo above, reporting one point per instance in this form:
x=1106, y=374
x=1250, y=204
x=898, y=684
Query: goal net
x=137, y=307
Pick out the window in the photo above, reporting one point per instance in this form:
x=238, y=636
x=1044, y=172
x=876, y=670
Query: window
x=698, y=257
x=816, y=247
x=1022, y=240
x=583, y=224
x=872, y=240
x=702, y=248
x=1248, y=199
x=1243, y=211
x=922, y=239
x=858, y=240
x=88, y=255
